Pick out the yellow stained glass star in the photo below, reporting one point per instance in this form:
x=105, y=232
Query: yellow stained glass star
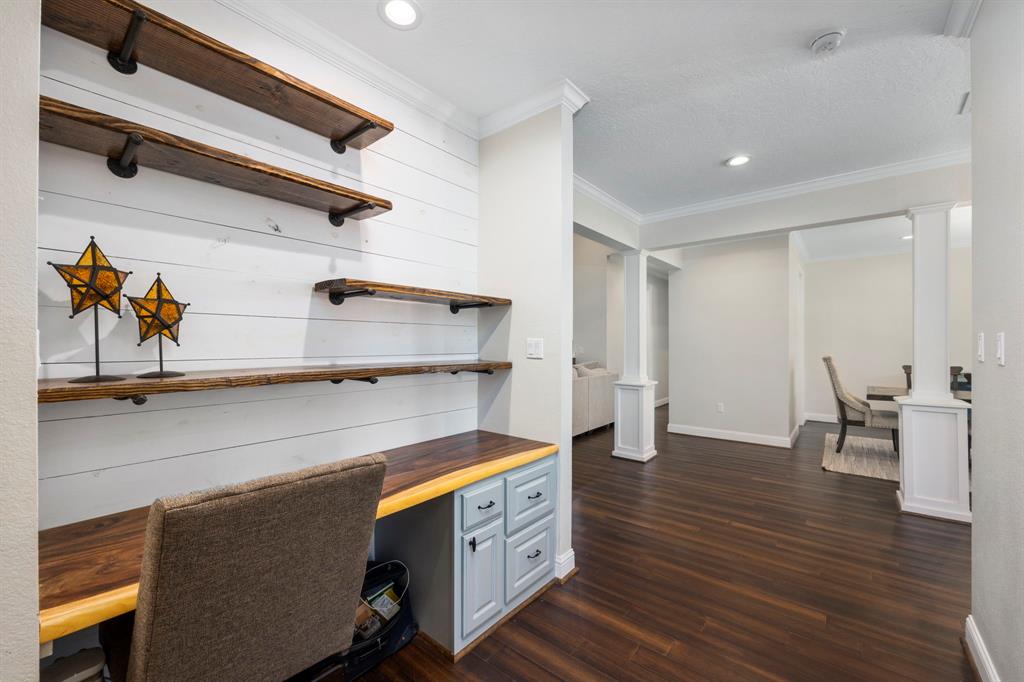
x=158, y=312
x=93, y=281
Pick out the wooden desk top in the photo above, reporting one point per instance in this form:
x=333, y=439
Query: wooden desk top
x=890, y=392
x=89, y=571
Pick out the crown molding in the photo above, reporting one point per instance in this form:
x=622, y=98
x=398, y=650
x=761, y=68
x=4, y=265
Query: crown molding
x=285, y=22
x=607, y=200
x=565, y=94
x=961, y=17
x=943, y=207
x=801, y=246
x=797, y=188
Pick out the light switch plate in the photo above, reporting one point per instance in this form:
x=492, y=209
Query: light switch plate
x=981, y=346
x=1001, y=349
x=534, y=349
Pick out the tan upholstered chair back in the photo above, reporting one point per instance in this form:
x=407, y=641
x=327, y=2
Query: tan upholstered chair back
x=855, y=408
x=256, y=581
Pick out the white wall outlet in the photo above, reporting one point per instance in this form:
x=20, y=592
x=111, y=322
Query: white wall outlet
x=981, y=346
x=534, y=349
x=720, y=408
x=1001, y=349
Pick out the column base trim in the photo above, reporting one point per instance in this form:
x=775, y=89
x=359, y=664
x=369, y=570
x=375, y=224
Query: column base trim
x=979, y=652
x=918, y=509
x=635, y=456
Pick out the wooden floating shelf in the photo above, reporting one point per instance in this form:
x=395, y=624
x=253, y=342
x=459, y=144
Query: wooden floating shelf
x=340, y=289
x=119, y=141
x=60, y=390
x=133, y=33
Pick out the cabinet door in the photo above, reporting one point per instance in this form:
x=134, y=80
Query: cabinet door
x=482, y=570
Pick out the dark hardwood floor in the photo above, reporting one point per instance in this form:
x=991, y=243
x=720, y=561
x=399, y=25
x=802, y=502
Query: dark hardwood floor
x=730, y=561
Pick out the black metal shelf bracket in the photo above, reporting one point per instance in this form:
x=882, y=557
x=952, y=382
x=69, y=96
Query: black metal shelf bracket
x=476, y=371
x=122, y=60
x=338, y=297
x=455, y=307
x=138, y=398
x=337, y=218
x=338, y=144
x=125, y=166
x=368, y=380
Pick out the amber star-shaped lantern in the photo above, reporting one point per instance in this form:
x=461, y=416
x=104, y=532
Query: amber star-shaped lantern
x=159, y=315
x=93, y=282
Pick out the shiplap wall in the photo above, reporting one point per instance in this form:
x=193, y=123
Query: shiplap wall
x=247, y=265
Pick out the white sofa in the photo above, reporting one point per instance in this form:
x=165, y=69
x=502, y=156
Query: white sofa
x=592, y=398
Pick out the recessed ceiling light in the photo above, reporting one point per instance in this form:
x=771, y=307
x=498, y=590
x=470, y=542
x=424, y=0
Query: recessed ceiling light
x=738, y=160
x=909, y=236
x=401, y=14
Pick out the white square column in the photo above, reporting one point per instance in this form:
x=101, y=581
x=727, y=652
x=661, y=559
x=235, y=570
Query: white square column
x=934, y=476
x=634, y=393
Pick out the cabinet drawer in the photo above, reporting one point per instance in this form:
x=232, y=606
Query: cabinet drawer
x=529, y=557
x=482, y=568
x=529, y=495
x=481, y=504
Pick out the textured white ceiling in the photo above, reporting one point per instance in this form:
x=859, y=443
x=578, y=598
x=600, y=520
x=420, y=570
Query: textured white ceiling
x=677, y=87
x=876, y=237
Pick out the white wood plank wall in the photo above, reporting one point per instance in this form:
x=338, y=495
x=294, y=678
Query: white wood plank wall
x=247, y=265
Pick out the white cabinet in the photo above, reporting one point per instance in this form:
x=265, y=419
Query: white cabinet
x=482, y=570
x=478, y=553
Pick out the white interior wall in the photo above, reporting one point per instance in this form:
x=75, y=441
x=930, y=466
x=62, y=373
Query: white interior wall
x=19, y=132
x=997, y=137
x=797, y=333
x=590, y=300
x=657, y=336
x=859, y=312
x=615, y=283
x=729, y=328
x=526, y=252
x=247, y=265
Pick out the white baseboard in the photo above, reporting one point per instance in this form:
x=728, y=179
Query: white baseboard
x=565, y=563
x=660, y=402
x=820, y=417
x=793, y=435
x=982, y=659
x=740, y=436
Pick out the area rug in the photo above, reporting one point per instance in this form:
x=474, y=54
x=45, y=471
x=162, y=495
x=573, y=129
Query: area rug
x=870, y=457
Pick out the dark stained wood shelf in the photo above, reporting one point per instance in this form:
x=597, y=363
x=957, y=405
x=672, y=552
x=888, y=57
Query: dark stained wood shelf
x=60, y=390
x=89, y=571
x=340, y=289
x=72, y=126
x=180, y=51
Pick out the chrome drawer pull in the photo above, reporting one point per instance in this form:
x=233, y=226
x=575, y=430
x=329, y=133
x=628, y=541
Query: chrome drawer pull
x=534, y=555
x=534, y=497
x=486, y=506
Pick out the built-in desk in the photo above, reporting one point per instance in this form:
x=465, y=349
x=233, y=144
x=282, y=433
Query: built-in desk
x=89, y=571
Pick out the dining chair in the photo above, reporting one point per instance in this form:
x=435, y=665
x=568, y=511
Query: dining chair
x=256, y=581
x=853, y=411
x=954, y=376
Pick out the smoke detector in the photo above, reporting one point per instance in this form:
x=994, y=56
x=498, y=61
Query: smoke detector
x=827, y=43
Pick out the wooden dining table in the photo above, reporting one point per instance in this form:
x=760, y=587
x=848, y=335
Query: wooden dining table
x=892, y=392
